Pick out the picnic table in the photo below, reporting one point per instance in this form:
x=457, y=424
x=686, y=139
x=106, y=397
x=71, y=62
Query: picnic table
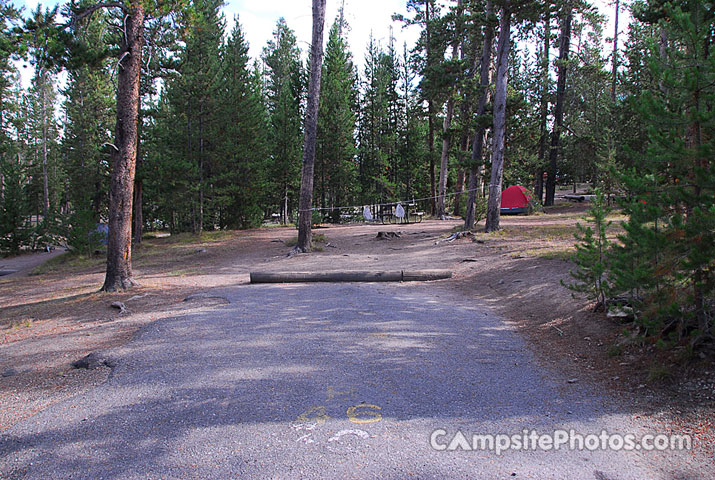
x=386, y=214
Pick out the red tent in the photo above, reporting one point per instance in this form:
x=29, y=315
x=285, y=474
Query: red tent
x=515, y=199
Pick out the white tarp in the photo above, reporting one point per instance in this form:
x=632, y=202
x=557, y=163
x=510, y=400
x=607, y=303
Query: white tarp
x=399, y=211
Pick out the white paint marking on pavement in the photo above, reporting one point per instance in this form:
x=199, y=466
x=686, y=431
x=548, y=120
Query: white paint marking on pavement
x=359, y=433
x=306, y=438
x=304, y=426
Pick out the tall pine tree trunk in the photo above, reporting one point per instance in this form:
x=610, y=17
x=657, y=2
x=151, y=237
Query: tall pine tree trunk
x=460, y=185
x=444, y=159
x=564, y=46
x=430, y=152
x=478, y=143
x=305, y=217
x=45, y=181
x=138, y=189
x=498, y=142
x=544, y=108
x=119, y=248
x=614, y=73
x=138, y=216
x=201, y=171
x=430, y=112
x=447, y=125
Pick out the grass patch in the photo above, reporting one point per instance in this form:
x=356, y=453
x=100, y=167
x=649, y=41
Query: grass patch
x=152, y=235
x=550, y=232
x=189, y=238
x=483, y=236
x=27, y=323
x=185, y=272
x=317, y=238
x=69, y=262
x=548, y=253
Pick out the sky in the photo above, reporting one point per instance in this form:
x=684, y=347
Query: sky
x=365, y=17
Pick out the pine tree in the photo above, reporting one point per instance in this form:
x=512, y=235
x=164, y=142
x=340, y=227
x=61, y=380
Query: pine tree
x=89, y=121
x=335, y=172
x=284, y=86
x=42, y=145
x=378, y=126
x=240, y=167
x=669, y=244
x=43, y=46
x=592, y=254
x=134, y=18
x=305, y=220
x=193, y=97
x=428, y=53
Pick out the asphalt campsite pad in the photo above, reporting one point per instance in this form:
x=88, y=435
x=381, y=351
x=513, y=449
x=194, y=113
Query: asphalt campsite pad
x=321, y=381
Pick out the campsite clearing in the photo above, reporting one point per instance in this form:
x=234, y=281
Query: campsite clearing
x=58, y=316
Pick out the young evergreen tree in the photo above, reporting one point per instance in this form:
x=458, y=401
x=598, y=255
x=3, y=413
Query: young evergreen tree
x=592, y=254
x=671, y=226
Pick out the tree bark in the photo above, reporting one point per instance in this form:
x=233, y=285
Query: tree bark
x=478, y=143
x=430, y=114
x=459, y=190
x=119, y=248
x=614, y=73
x=444, y=159
x=138, y=188
x=663, y=45
x=498, y=140
x=45, y=181
x=201, y=171
x=544, y=109
x=564, y=45
x=138, y=217
x=305, y=217
x=430, y=152
x=447, y=125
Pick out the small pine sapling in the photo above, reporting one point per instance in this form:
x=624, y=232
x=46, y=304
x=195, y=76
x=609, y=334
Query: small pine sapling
x=591, y=257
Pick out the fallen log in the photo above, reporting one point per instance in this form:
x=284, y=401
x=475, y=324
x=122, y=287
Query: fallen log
x=358, y=276
x=425, y=275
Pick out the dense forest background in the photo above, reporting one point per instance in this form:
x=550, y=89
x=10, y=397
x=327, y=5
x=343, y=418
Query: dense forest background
x=221, y=133
x=494, y=93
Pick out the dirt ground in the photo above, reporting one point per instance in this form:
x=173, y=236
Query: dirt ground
x=55, y=315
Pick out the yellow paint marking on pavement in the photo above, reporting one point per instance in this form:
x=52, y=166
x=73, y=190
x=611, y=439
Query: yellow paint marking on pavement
x=364, y=413
x=316, y=414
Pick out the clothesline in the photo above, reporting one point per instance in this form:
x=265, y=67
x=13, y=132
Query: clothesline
x=406, y=202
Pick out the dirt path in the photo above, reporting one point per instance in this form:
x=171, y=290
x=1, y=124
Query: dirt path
x=25, y=263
